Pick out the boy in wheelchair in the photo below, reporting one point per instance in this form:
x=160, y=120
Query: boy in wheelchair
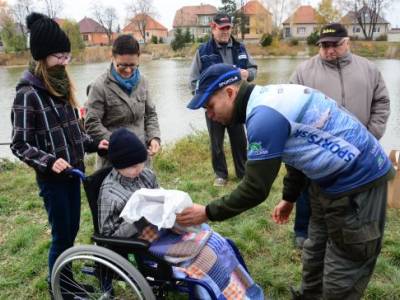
x=204, y=255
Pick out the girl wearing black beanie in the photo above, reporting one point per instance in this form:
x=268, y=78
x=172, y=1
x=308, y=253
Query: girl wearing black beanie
x=46, y=133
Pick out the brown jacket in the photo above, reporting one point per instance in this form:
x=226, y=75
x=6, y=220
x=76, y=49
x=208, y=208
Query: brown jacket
x=110, y=108
x=353, y=82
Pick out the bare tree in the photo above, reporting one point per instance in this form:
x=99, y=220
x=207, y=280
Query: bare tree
x=4, y=15
x=281, y=9
x=139, y=11
x=107, y=18
x=367, y=13
x=19, y=11
x=53, y=7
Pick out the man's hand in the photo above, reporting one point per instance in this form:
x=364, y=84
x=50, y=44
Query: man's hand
x=244, y=74
x=60, y=165
x=194, y=215
x=103, y=145
x=154, y=147
x=282, y=211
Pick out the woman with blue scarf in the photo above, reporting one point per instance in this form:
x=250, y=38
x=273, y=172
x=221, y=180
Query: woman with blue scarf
x=120, y=98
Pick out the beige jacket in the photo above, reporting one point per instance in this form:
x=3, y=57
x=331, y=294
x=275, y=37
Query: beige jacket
x=109, y=108
x=353, y=82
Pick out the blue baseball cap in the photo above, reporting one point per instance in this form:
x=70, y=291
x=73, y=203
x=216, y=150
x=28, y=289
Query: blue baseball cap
x=212, y=79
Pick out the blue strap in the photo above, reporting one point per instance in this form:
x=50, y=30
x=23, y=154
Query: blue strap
x=76, y=172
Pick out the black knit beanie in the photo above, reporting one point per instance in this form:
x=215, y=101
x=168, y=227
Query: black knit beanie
x=46, y=37
x=125, y=149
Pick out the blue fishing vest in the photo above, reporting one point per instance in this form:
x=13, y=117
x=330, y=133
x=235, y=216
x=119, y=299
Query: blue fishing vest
x=209, y=55
x=311, y=133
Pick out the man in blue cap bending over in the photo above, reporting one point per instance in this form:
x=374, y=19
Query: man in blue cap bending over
x=307, y=131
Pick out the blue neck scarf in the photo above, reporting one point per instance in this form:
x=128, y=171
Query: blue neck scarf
x=127, y=84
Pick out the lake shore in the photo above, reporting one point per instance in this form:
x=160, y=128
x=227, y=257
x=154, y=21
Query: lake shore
x=283, y=49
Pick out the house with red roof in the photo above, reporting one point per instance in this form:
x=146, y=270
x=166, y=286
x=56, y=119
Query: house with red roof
x=354, y=29
x=93, y=34
x=196, y=19
x=143, y=24
x=301, y=23
x=258, y=21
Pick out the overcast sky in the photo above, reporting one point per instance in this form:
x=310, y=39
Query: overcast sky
x=77, y=9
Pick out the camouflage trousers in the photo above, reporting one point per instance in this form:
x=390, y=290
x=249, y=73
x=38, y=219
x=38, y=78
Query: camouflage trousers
x=345, y=239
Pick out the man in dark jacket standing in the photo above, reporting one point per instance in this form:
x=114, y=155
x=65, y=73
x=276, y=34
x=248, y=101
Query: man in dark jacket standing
x=222, y=47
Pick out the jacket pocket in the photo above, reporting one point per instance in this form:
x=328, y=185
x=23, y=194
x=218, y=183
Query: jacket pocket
x=362, y=243
x=140, y=106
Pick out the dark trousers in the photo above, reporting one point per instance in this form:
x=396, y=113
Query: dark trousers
x=344, y=241
x=302, y=218
x=238, y=140
x=62, y=201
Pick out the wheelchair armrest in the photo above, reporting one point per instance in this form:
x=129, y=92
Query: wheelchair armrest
x=133, y=244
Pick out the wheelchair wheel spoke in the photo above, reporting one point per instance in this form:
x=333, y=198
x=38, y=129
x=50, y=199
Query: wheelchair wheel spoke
x=97, y=275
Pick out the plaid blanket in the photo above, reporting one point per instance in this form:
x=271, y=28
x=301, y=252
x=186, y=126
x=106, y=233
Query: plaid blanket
x=208, y=257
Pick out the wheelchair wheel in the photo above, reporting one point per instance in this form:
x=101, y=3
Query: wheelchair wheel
x=93, y=272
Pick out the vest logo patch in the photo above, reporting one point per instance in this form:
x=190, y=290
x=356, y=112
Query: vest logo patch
x=257, y=149
x=242, y=56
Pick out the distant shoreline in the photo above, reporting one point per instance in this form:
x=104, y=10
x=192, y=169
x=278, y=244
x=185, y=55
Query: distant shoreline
x=369, y=49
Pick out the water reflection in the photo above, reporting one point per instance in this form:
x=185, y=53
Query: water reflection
x=169, y=90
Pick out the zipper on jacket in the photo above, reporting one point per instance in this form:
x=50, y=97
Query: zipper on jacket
x=341, y=82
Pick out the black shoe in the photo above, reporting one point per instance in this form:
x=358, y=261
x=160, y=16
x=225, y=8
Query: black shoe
x=296, y=294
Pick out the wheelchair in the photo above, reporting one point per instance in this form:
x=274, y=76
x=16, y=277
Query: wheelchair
x=119, y=268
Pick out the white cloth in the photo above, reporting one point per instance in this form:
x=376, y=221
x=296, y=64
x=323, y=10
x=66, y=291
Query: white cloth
x=158, y=206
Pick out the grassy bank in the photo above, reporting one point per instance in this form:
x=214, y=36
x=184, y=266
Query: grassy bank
x=156, y=51
x=267, y=247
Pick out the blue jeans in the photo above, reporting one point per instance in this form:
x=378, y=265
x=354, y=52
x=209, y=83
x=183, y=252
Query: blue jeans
x=62, y=201
x=302, y=218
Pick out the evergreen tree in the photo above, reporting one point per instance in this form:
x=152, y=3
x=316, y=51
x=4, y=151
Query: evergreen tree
x=179, y=40
x=187, y=37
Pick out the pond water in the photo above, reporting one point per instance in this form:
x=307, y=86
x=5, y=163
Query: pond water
x=170, y=92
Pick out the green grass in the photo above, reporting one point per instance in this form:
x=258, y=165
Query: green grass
x=267, y=247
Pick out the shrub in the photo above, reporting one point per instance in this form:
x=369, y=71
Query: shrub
x=160, y=40
x=266, y=40
x=202, y=39
x=13, y=41
x=293, y=42
x=382, y=37
x=312, y=39
x=154, y=39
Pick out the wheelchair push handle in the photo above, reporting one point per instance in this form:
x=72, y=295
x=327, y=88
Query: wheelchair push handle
x=75, y=172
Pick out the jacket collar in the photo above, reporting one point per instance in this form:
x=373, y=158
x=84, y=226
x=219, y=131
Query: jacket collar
x=113, y=85
x=242, y=98
x=341, y=61
x=29, y=79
